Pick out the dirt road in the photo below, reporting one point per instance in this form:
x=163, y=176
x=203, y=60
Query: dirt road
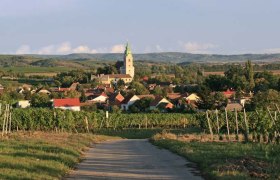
x=132, y=159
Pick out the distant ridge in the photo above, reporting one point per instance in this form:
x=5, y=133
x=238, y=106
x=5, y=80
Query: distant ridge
x=172, y=57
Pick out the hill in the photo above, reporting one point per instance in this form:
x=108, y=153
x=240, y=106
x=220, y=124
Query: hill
x=172, y=57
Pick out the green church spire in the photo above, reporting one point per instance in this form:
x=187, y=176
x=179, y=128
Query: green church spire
x=127, y=49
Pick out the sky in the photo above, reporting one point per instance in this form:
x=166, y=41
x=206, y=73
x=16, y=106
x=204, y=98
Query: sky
x=104, y=26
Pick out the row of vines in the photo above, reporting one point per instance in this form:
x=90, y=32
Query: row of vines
x=260, y=124
x=47, y=119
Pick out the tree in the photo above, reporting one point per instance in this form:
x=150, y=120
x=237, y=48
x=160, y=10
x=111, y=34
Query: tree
x=265, y=80
x=139, y=88
x=120, y=84
x=157, y=90
x=141, y=105
x=83, y=97
x=265, y=99
x=217, y=82
x=110, y=69
x=73, y=94
x=249, y=73
x=212, y=101
x=40, y=100
x=236, y=77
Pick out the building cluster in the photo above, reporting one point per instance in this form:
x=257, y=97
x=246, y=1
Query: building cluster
x=106, y=96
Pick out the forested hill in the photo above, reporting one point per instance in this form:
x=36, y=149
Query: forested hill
x=87, y=60
x=173, y=57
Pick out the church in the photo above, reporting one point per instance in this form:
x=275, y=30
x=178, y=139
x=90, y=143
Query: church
x=126, y=71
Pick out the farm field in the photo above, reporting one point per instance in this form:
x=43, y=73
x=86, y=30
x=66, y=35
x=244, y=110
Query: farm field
x=36, y=69
x=226, y=160
x=40, y=155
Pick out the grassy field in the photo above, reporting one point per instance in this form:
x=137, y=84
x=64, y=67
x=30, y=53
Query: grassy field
x=36, y=69
x=223, y=160
x=41, y=155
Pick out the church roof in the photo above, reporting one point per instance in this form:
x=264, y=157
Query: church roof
x=127, y=49
x=119, y=76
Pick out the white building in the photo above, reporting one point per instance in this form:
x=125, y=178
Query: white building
x=23, y=104
x=72, y=104
x=128, y=101
x=128, y=67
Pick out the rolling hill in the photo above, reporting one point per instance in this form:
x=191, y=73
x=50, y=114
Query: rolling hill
x=172, y=57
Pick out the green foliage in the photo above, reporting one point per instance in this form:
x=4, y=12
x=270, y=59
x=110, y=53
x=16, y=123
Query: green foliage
x=249, y=73
x=47, y=119
x=212, y=101
x=40, y=100
x=265, y=99
x=138, y=88
x=109, y=69
x=67, y=78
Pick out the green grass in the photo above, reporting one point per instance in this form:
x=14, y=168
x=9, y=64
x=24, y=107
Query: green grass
x=42, y=155
x=222, y=160
x=36, y=69
x=134, y=133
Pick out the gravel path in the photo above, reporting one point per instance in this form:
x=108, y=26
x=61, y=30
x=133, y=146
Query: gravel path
x=132, y=159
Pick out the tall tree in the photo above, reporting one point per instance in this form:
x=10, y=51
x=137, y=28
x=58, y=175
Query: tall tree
x=249, y=73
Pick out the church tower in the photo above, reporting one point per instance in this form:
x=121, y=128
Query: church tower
x=127, y=67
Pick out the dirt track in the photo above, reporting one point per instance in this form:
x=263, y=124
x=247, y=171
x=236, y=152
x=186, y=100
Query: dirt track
x=132, y=159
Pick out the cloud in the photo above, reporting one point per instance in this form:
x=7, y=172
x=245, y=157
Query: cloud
x=195, y=47
x=46, y=50
x=94, y=51
x=64, y=48
x=272, y=50
x=24, y=49
x=158, y=48
x=119, y=48
x=82, y=49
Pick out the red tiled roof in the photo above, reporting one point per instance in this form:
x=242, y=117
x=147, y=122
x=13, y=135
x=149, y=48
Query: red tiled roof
x=119, y=76
x=228, y=92
x=169, y=105
x=145, y=78
x=109, y=90
x=66, y=102
x=146, y=96
x=174, y=95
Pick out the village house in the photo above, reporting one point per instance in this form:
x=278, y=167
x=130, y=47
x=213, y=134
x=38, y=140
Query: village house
x=192, y=98
x=116, y=99
x=128, y=101
x=160, y=102
x=228, y=93
x=23, y=104
x=24, y=87
x=43, y=91
x=98, y=98
x=72, y=104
